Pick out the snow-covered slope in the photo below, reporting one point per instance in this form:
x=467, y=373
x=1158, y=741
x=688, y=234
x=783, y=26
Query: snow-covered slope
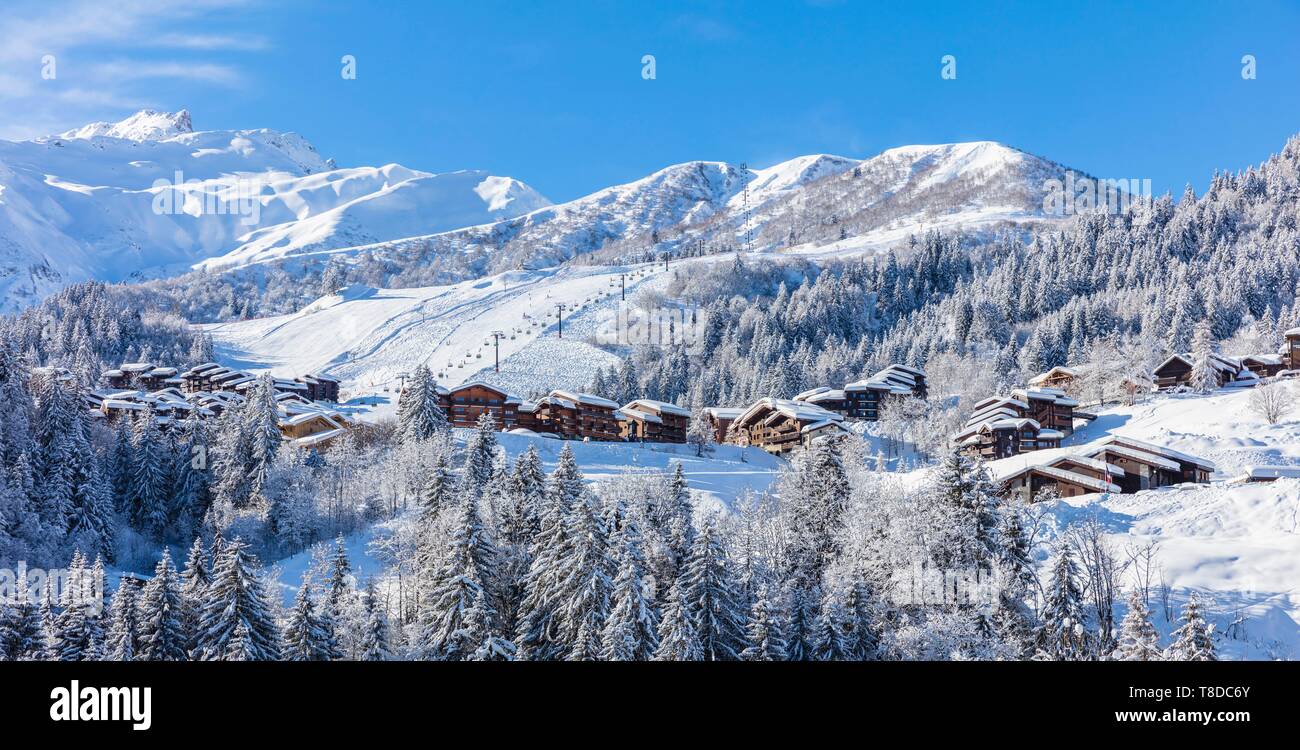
x=368, y=337
x=1237, y=544
x=148, y=195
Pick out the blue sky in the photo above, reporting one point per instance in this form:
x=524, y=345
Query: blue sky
x=551, y=92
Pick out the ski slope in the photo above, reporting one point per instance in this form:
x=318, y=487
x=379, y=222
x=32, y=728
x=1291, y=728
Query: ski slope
x=369, y=337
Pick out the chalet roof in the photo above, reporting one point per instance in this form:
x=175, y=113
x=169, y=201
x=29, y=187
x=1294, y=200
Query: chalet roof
x=1064, y=475
x=820, y=395
x=585, y=398
x=163, y=372
x=1055, y=395
x=1263, y=359
x=639, y=416
x=808, y=429
x=657, y=407
x=135, y=366
x=1288, y=333
x=1159, y=450
x=1058, y=370
x=112, y=374
x=1134, y=454
x=316, y=438
x=724, y=412
x=801, y=411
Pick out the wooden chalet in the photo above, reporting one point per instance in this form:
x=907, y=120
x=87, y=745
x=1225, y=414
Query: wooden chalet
x=578, y=416
x=781, y=425
x=1146, y=465
x=320, y=387
x=310, y=425
x=1290, y=349
x=830, y=399
x=1003, y=426
x=720, y=419
x=1060, y=378
x=1050, y=407
x=470, y=400
x=143, y=376
x=1263, y=365
x=647, y=420
x=527, y=418
x=1176, y=371
x=1112, y=464
x=863, y=399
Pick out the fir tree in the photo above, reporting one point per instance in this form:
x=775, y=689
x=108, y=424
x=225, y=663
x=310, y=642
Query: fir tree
x=374, y=644
x=1062, y=635
x=678, y=640
x=193, y=592
x=236, y=603
x=1137, y=636
x=306, y=638
x=1193, y=640
x=537, y=633
x=631, y=629
x=457, y=617
x=418, y=415
x=710, y=588
x=765, y=636
x=163, y=636
x=123, y=630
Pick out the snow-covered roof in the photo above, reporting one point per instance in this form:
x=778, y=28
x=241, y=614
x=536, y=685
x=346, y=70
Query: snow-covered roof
x=1258, y=473
x=640, y=416
x=1064, y=475
x=1159, y=450
x=1058, y=370
x=135, y=366
x=1263, y=359
x=798, y=410
x=1288, y=333
x=585, y=398
x=112, y=374
x=1135, y=454
x=724, y=412
x=1055, y=395
x=316, y=438
x=658, y=407
x=818, y=426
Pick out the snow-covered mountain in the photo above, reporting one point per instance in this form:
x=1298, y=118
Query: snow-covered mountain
x=149, y=195
x=809, y=205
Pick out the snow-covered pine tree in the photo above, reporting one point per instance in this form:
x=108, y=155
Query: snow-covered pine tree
x=123, y=636
x=830, y=633
x=1193, y=640
x=710, y=588
x=148, y=502
x=700, y=431
x=536, y=634
x=457, y=617
x=1138, y=640
x=673, y=523
x=678, y=640
x=418, y=415
x=439, y=490
x=73, y=636
x=765, y=634
x=480, y=455
x=235, y=601
x=631, y=630
x=306, y=638
x=261, y=424
x=374, y=645
x=587, y=574
x=1062, y=634
x=193, y=592
x=162, y=632
x=1204, y=377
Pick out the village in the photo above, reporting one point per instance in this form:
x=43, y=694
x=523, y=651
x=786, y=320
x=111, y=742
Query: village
x=1022, y=436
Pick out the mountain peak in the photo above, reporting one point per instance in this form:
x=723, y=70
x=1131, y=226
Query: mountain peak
x=145, y=125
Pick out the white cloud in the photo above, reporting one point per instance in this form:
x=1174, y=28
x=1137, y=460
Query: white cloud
x=106, y=54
